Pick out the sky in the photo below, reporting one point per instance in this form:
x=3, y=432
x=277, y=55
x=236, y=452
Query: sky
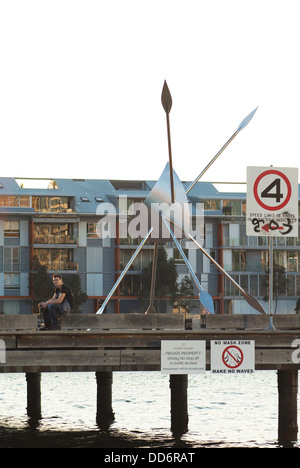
x=81, y=83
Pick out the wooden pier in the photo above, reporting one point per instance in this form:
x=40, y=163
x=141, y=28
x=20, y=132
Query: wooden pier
x=132, y=342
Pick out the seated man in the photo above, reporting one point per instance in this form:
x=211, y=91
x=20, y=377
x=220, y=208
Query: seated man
x=59, y=305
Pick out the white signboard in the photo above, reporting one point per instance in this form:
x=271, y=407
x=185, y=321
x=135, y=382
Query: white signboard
x=232, y=356
x=183, y=357
x=272, y=201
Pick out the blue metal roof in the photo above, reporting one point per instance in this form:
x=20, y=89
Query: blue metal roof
x=88, y=193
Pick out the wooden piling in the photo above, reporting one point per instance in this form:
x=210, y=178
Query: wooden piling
x=34, y=395
x=179, y=404
x=105, y=415
x=287, y=406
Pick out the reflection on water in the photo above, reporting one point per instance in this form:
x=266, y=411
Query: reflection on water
x=224, y=411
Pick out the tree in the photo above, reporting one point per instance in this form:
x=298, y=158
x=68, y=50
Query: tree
x=279, y=283
x=79, y=296
x=41, y=284
x=166, y=279
x=186, y=294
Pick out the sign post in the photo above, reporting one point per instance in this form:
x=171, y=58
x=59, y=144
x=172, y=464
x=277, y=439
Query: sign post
x=272, y=209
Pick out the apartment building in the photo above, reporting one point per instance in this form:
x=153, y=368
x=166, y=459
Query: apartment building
x=57, y=223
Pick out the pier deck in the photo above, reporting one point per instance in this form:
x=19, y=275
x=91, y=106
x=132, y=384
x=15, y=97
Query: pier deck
x=103, y=343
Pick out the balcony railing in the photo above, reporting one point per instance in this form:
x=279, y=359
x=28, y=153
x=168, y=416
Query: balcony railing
x=55, y=239
x=62, y=266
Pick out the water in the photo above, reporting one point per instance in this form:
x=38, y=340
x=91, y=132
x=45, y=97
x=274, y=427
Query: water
x=224, y=411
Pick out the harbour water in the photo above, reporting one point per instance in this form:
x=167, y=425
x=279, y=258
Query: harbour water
x=224, y=411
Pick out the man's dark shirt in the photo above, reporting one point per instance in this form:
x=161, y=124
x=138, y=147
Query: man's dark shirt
x=65, y=289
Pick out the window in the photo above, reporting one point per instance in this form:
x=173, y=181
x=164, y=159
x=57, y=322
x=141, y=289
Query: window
x=292, y=260
x=129, y=184
x=177, y=256
x=56, y=259
x=229, y=288
x=11, y=307
x=24, y=202
x=141, y=261
x=263, y=285
x=298, y=285
x=92, y=231
x=254, y=285
x=11, y=229
x=59, y=204
x=11, y=259
x=12, y=201
x=233, y=207
x=238, y=260
x=51, y=204
x=244, y=282
x=15, y=201
x=11, y=281
x=291, y=285
x=130, y=286
x=244, y=208
x=53, y=233
x=287, y=259
x=211, y=205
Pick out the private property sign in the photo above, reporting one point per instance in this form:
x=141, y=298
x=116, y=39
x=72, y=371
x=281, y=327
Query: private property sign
x=183, y=357
x=232, y=356
x=272, y=201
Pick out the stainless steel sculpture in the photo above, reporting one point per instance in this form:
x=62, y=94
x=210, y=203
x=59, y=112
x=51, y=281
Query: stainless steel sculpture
x=168, y=199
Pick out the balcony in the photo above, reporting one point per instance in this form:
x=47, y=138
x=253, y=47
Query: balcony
x=56, y=259
x=55, y=239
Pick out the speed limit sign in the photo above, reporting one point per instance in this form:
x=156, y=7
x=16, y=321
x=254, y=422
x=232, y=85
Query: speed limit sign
x=272, y=201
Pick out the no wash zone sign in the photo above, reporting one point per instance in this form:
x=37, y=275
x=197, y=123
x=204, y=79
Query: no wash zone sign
x=232, y=356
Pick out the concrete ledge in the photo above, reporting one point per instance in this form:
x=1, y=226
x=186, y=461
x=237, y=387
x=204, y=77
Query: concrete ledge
x=246, y=322
x=123, y=321
x=18, y=322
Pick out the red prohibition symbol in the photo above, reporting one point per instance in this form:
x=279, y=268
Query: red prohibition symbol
x=268, y=194
x=232, y=356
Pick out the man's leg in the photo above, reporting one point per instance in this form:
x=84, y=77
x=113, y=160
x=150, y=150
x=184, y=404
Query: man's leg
x=53, y=310
x=47, y=320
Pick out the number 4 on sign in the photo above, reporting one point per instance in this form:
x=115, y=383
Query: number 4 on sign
x=268, y=194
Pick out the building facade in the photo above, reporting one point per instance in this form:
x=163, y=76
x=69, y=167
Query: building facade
x=58, y=225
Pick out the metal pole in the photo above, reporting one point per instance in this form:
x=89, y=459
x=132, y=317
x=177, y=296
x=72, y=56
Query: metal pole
x=242, y=125
x=151, y=308
x=166, y=100
x=211, y=162
x=101, y=310
x=271, y=288
x=271, y=243
x=170, y=160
